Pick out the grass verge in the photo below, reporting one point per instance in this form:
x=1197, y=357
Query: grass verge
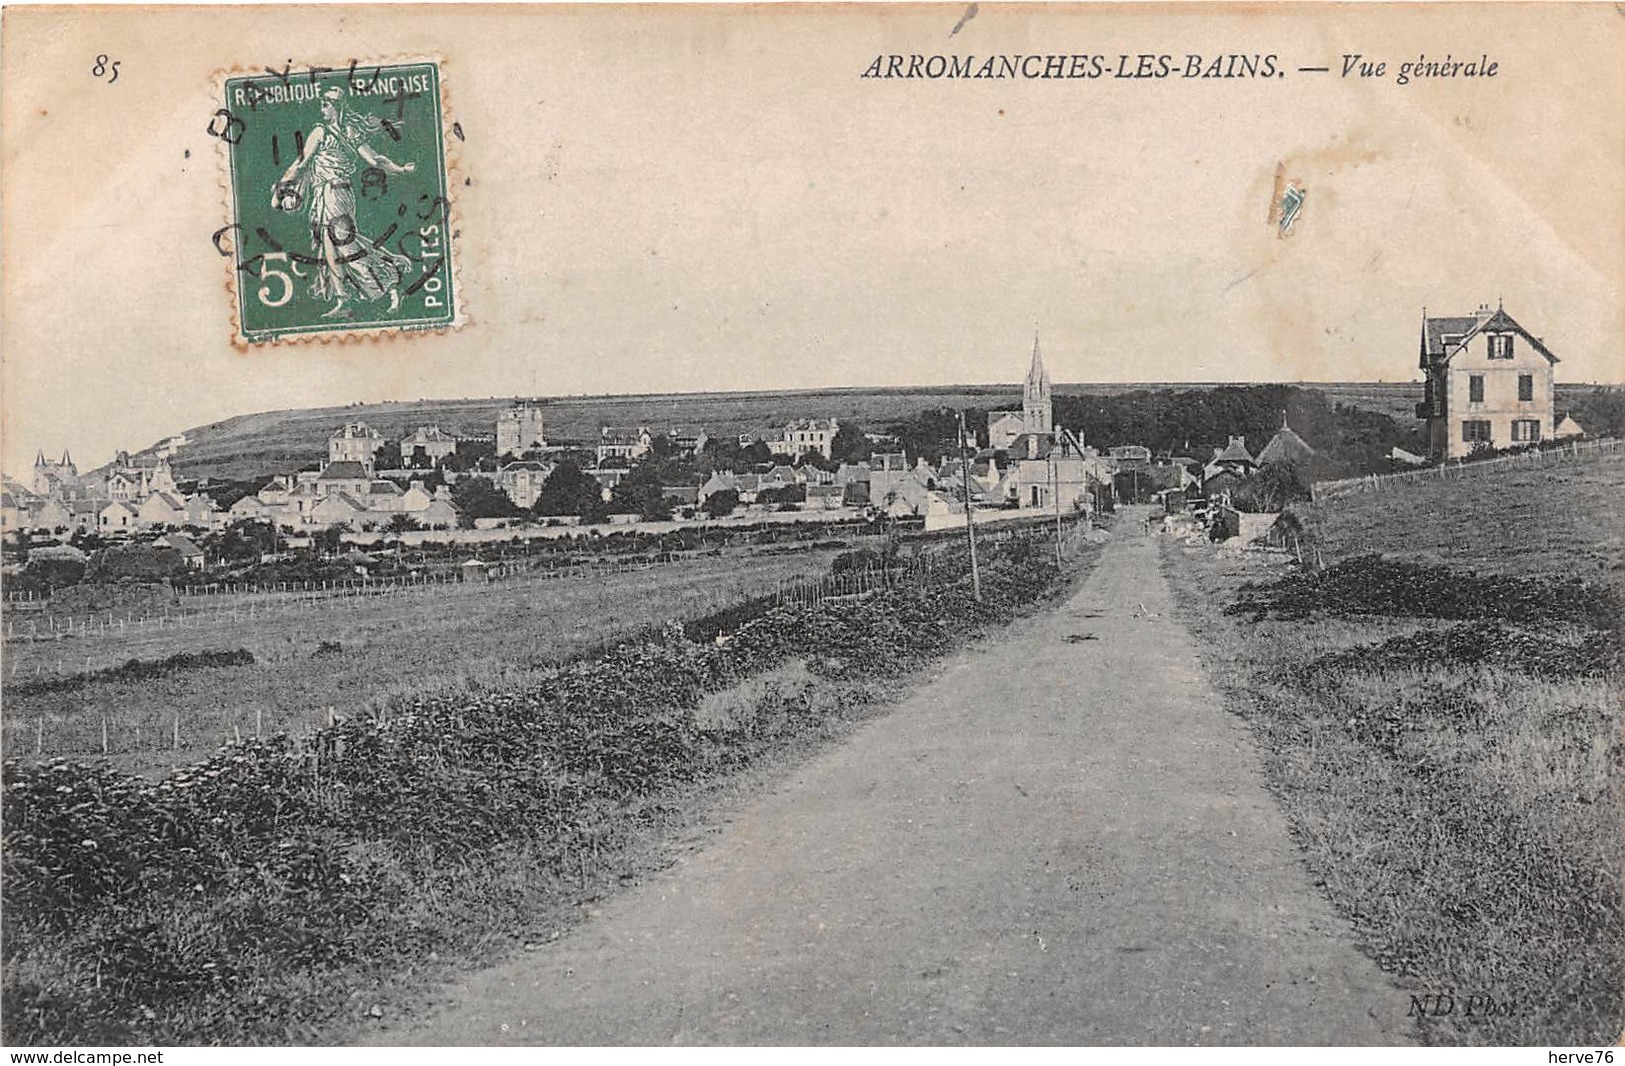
x=1455, y=787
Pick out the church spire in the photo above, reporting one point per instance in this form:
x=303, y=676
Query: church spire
x=1036, y=373
x=1037, y=410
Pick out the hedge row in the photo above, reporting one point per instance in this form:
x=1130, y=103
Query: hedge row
x=297, y=859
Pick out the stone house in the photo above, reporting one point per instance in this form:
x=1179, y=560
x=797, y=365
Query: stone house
x=629, y=445
x=355, y=442
x=345, y=475
x=522, y=481
x=116, y=517
x=1003, y=427
x=1489, y=383
x=427, y=446
x=161, y=509
x=806, y=435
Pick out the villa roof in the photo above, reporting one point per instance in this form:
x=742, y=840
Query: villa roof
x=344, y=470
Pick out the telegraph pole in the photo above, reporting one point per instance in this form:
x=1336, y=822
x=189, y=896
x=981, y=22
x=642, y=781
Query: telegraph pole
x=970, y=526
x=1055, y=490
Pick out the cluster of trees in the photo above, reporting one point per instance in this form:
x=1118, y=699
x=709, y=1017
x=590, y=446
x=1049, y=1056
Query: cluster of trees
x=1192, y=422
x=1601, y=411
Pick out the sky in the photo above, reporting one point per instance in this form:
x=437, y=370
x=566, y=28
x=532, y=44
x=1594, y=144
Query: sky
x=710, y=199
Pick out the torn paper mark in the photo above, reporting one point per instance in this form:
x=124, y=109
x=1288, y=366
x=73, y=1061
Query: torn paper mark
x=1291, y=204
x=1286, y=201
x=970, y=13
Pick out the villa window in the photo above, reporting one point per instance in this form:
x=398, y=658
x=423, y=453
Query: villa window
x=1526, y=387
x=1525, y=430
x=1500, y=346
x=1475, y=430
x=1475, y=388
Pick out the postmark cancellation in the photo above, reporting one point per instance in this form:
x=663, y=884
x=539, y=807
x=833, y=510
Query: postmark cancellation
x=340, y=217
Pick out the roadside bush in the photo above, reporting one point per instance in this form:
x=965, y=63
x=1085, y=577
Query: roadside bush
x=137, y=670
x=1376, y=585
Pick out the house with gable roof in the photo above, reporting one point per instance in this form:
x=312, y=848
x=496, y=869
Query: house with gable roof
x=354, y=442
x=1489, y=382
x=427, y=446
x=161, y=509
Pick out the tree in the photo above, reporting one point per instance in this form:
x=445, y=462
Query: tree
x=245, y=541
x=471, y=455
x=720, y=503
x=570, y=491
x=139, y=562
x=849, y=444
x=479, y=497
x=1270, y=489
x=327, y=540
x=401, y=523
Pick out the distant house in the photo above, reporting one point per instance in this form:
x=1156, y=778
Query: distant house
x=86, y=514
x=825, y=497
x=441, y=513
x=161, y=509
x=1003, y=427
x=806, y=435
x=339, y=509
x=886, y=469
x=624, y=444
x=190, y=553
x=1489, y=383
x=201, y=511
x=849, y=472
x=781, y=476
x=522, y=481
x=15, y=514
x=116, y=517
x=680, y=495
x=136, y=479
x=686, y=442
x=1286, y=448
x=1131, y=456
x=1568, y=428
x=721, y=480
x=251, y=508
x=1233, y=460
x=426, y=447
x=345, y=475
x=354, y=442
x=51, y=513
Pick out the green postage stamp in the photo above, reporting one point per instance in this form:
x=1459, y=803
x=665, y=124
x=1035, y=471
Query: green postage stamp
x=340, y=210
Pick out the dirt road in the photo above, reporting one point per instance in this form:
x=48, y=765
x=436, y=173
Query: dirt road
x=1062, y=839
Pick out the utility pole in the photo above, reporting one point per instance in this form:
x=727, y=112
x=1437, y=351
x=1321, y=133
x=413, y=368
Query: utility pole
x=1055, y=491
x=970, y=526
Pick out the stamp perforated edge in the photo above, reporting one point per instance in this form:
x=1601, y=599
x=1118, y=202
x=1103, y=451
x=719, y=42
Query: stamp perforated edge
x=451, y=151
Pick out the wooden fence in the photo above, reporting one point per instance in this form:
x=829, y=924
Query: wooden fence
x=1577, y=451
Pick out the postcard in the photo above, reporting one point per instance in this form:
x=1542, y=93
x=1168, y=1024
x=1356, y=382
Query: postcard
x=779, y=524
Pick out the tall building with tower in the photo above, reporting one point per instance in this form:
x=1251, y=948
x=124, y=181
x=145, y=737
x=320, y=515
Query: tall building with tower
x=519, y=429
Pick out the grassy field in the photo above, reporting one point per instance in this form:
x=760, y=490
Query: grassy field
x=1454, y=782
x=350, y=655
x=1567, y=518
x=292, y=894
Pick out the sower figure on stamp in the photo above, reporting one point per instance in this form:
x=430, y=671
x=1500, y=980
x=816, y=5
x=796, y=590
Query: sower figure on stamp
x=322, y=181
